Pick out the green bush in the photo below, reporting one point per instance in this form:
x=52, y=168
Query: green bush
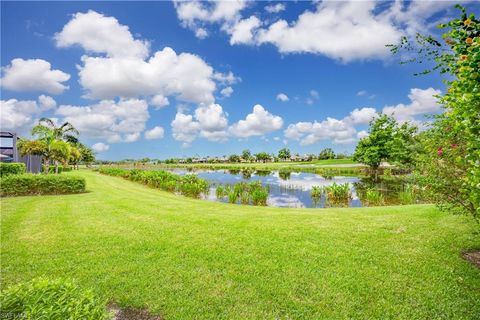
x=46, y=299
x=11, y=168
x=36, y=184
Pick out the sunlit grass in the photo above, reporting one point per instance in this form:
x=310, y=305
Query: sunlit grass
x=192, y=259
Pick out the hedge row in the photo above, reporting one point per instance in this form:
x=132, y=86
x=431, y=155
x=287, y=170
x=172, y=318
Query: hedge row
x=188, y=185
x=51, y=299
x=11, y=168
x=37, y=184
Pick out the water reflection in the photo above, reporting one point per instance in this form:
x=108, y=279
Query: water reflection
x=294, y=189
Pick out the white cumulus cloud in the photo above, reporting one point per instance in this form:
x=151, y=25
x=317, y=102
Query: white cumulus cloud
x=226, y=92
x=257, y=123
x=275, y=8
x=422, y=101
x=97, y=33
x=123, y=68
x=282, y=97
x=154, y=133
x=19, y=115
x=33, y=75
x=100, y=147
x=121, y=121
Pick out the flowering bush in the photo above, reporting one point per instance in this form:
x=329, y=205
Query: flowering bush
x=449, y=164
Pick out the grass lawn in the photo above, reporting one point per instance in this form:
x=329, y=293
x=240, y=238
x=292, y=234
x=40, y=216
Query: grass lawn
x=192, y=259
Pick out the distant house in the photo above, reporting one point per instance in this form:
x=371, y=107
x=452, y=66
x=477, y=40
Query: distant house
x=9, y=153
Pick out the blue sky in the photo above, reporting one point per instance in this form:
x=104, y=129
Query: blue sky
x=227, y=73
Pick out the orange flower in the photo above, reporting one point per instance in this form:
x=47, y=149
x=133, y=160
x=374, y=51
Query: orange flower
x=463, y=57
x=467, y=22
x=469, y=40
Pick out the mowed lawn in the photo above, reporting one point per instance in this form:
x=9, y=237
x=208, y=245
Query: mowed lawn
x=190, y=259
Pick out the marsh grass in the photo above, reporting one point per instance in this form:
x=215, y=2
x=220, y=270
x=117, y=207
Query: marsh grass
x=374, y=198
x=245, y=193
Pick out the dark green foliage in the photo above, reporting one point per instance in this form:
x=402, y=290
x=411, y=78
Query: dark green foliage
x=189, y=185
x=387, y=141
x=11, y=168
x=284, y=153
x=234, y=158
x=51, y=299
x=326, y=153
x=37, y=184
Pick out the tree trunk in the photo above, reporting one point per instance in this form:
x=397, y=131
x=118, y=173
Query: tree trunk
x=56, y=167
x=47, y=166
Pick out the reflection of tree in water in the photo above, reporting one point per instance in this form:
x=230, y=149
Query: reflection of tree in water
x=389, y=187
x=263, y=173
x=247, y=174
x=284, y=175
x=234, y=171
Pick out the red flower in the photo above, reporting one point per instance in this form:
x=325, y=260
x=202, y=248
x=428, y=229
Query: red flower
x=440, y=151
x=454, y=145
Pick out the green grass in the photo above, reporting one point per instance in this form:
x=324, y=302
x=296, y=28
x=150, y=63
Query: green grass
x=191, y=259
x=331, y=166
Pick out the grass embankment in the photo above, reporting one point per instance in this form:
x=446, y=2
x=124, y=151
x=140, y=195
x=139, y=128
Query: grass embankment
x=191, y=259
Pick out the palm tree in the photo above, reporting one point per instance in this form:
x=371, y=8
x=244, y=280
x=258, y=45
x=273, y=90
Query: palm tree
x=59, y=152
x=47, y=129
x=75, y=156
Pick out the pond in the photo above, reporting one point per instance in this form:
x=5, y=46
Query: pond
x=294, y=189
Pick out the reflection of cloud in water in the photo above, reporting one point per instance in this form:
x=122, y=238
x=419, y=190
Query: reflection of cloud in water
x=285, y=200
x=307, y=181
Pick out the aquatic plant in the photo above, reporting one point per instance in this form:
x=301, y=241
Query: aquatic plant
x=232, y=196
x=407, y=196
x=316, y=192
x=245, y=197
x=338, y=192
x=220, y=192
x=374, y=198
x=259, y=196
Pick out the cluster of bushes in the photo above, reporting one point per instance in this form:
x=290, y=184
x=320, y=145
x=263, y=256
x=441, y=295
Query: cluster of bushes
x=35, y=184
x=51, y=299
x=188, y=185
x=11, y=168
x=247, y=193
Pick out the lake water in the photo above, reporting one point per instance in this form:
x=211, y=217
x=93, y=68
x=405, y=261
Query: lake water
x=293, y=189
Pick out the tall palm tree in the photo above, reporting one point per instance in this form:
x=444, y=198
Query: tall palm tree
x=47, y=129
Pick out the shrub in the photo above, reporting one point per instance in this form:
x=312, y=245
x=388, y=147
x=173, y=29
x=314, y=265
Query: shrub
x=35, y=184
x=51, y=299
x=11, y=168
